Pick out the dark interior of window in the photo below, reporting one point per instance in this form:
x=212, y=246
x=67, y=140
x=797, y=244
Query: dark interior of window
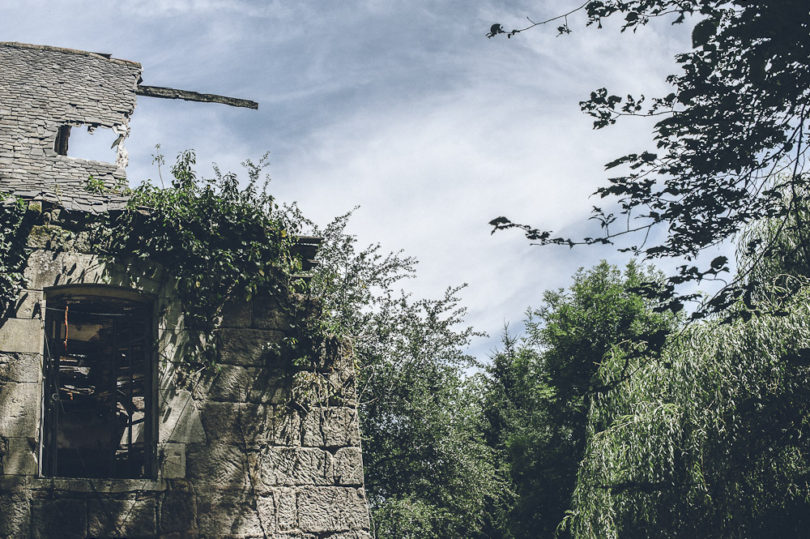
x=60, y=145
x=98, y=397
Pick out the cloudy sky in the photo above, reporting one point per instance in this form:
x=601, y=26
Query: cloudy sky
x=401, y=107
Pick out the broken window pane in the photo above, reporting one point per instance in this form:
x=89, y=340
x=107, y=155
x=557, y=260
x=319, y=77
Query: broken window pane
x=98, y=393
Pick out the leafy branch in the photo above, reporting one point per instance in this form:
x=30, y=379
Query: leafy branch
x=734, y=120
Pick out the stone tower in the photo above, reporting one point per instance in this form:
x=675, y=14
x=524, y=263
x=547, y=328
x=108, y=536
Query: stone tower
x=103, y=432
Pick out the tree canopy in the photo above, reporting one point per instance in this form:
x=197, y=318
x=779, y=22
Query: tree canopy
x=730, y=141
x=711, y=436
x=541, y=387
x=710, y=441
x=428, y=470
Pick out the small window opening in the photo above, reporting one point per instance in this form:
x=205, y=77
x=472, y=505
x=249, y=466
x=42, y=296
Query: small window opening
x=99, y=409
x=93, y=143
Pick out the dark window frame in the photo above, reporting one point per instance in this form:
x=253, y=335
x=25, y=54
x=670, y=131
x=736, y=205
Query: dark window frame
x=129, y=354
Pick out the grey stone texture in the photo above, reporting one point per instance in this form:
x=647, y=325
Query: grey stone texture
x=45, y=88
x=15, y=336
x=251, y=449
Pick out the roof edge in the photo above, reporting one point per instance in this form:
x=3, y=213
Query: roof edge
x=18, y=45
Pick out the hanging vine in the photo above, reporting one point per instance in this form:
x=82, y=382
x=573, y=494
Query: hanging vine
x=12, y=249
x=221, y=242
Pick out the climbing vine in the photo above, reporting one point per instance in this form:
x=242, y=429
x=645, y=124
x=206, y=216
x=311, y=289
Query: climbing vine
x=12, y=252
x=221, y=242
x=218, y=240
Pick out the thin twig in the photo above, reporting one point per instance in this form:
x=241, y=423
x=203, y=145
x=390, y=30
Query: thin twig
x=539, y=23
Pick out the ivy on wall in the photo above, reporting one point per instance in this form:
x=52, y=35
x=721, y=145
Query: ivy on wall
x=222, y=243
x=12, y=251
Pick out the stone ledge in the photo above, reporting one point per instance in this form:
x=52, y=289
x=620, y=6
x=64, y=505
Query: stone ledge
x=75, y=485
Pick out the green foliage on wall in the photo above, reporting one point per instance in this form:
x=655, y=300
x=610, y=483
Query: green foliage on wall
x=219, y=240
x=222, y=242
x=12, y=249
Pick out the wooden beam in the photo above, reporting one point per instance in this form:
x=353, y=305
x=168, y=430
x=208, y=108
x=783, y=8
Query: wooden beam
x=172, y=93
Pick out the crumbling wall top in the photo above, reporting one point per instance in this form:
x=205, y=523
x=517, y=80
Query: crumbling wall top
x=44, y=91
x=18, y=45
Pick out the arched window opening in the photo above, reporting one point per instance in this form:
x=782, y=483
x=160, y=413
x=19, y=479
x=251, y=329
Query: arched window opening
x=99, y=398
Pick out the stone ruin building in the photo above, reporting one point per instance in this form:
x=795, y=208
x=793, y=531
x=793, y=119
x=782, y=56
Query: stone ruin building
x=102, y=434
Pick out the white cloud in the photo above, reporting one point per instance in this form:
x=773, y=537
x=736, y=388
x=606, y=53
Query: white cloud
x=404, y=108
x=163, y=8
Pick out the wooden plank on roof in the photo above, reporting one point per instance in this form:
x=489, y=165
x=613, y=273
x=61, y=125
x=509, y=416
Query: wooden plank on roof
x=173, y=93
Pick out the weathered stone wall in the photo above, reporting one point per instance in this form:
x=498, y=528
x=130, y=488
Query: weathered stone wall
x=44, y=88
x=253, y=448
x=238, y=453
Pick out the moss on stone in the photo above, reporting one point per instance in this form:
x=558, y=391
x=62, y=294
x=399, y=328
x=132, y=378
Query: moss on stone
x=50, y=237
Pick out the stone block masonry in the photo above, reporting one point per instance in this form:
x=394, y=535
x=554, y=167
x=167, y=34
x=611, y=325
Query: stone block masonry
x=235, y=459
